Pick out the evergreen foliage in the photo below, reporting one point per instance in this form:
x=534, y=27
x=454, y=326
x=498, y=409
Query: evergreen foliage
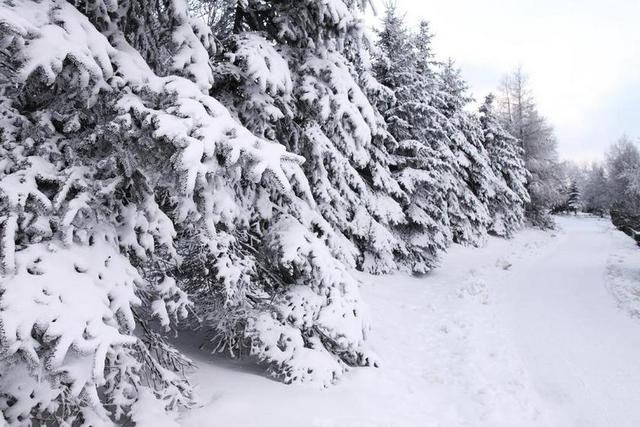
x=311, y=89
x=475, y=180
x=442, y=160
x=222, y=166
x=574, y=202
x=506, y=208
x=423, y=162
x=117, y=170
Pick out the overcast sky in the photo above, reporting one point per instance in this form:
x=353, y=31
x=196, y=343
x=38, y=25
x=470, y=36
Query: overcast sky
x=582, y=58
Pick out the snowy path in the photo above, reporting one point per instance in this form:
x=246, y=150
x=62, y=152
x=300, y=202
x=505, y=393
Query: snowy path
x=581, y=350
x=535, y=331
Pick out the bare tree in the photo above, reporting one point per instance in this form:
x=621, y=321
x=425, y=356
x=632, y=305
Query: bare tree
x=521, y=118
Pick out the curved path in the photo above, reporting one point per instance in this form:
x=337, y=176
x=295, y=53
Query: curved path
x=581, y=350
x=534, y=331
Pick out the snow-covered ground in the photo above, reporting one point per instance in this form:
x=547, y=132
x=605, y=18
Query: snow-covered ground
x=540, y=330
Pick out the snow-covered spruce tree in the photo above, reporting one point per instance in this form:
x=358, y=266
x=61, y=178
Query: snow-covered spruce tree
x=476, y=183
x=506, y=207
x=574, y=201
x=297, y=72
x=265, y=263
x=77, y=217
x=115, y=165
x=423, y=162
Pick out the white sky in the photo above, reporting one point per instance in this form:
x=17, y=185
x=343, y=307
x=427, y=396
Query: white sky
x=582, y=58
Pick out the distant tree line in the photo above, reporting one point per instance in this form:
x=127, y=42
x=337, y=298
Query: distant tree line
x=611, y=187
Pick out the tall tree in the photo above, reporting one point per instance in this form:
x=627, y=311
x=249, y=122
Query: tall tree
x=476, y=183
x=521, y=118
x=506, y=207
x=423, y=161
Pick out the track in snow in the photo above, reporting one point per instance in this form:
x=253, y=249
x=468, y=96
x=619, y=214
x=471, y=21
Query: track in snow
x=534, y=331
